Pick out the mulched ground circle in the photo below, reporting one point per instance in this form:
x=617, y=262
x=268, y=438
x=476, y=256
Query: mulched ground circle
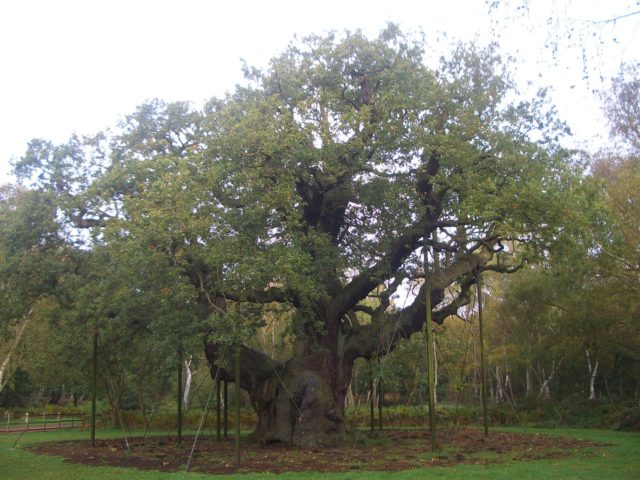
x=390, y=450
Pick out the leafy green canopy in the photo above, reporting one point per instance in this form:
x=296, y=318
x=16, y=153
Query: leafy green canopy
x=316, y=181
x=33, y=257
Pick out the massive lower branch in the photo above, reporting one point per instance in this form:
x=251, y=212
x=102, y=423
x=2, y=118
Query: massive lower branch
x=382, y=335
x=255, y=366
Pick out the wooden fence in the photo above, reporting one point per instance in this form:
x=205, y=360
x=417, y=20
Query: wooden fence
x=41, y=422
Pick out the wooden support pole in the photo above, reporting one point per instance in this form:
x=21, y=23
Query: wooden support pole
x=218, y=423
x=483, y=372
x=179, y=395
x=430, y=353
x=94, y=388
x=237, y=401
x=225, y=397
x=371, y=405
x=380, y=402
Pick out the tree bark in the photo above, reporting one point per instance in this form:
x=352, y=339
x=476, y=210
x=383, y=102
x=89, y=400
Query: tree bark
x=4, y=367
x=114, y=397
x=187, y=383
x=301, y=400
x=435, y=369
x=142, y=406
x=545, y=391
x=301, y=405
x=593, y=371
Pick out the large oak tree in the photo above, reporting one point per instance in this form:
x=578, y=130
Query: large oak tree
x=314, y=186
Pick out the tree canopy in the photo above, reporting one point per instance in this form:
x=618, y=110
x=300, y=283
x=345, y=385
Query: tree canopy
x=311, y=187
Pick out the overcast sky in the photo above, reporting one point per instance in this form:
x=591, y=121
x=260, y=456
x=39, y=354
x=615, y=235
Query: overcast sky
x=79, y=66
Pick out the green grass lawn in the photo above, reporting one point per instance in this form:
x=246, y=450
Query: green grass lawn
x=621, y=460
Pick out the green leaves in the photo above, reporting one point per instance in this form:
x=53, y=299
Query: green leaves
x=310, y=186
x=33, y=257
x=622, y=107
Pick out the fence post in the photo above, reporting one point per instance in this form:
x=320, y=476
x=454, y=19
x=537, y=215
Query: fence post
x=44, y=421
x=59, y=419
x=8, y=421
x=27, y=421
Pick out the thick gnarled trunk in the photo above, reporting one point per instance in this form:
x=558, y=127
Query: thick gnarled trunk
x=298, y=402
x=301, y=401
x=299, y=406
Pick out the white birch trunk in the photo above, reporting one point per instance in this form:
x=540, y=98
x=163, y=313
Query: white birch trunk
x=545, y=392
x=593, y=370
x=349, y=399
x=499, y=386
x=435, y=371
x=6, y=363
x=187, y=383
x=509, y=386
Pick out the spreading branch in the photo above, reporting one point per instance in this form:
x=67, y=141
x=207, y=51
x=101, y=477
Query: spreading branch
x=255, y=366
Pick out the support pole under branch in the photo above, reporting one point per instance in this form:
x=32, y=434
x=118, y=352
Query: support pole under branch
x=430, y=353
x=372, y=418
x=218, y=405
x=483, y=371
x=225, y=400
x=237, y=392
x=94, y=388
x=179, y=395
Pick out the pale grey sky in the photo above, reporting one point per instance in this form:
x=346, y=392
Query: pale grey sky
x=80, y=65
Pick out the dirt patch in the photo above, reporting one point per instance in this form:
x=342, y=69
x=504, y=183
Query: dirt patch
x=391, y=450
